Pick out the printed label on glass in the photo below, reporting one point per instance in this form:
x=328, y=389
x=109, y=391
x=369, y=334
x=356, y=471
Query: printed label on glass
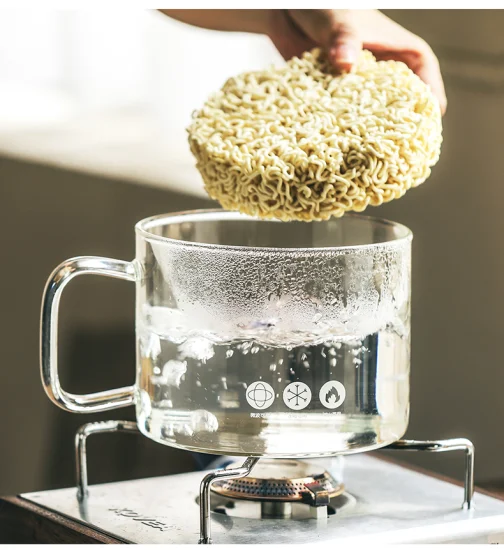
x=297, y=396
x=260, y=395
x=332, y=394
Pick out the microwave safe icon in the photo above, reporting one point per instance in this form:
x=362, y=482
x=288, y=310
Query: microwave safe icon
x=260, y=395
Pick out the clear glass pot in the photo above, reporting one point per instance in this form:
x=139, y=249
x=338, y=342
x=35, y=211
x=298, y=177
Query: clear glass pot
x=259, y=337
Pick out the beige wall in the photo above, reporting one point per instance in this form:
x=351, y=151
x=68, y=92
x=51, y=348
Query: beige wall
x=48, y=215
x=458, y=223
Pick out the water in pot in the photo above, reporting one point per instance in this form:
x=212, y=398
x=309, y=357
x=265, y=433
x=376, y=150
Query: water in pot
x=264, y=338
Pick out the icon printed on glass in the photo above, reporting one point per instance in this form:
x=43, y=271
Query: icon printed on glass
x=260, y=395
x=297, y=396
x=332, y=394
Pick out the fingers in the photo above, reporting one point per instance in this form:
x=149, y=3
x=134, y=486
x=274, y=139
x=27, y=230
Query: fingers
x=335, y=30
x=430, y=73
x=342, y=33
x=287, y=37
x=344, y=47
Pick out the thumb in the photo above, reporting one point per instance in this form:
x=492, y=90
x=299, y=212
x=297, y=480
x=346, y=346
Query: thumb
x=344, y=46
x=335, y=30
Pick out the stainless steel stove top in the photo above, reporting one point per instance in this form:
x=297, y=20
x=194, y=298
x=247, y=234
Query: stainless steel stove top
x=386, y=503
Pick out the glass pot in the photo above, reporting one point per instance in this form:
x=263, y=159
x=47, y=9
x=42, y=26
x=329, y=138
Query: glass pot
x=258, y=338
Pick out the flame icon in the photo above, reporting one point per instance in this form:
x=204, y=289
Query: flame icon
x=332, y=395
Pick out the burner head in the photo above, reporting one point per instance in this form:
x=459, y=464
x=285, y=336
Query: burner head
x=282, y=480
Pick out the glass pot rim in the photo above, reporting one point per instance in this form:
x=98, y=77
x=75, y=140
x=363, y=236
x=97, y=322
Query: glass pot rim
x=142, y=229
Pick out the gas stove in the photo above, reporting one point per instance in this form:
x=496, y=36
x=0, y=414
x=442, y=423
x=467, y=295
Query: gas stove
x=356, y=498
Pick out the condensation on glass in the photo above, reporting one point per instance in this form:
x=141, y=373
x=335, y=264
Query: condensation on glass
x=264, y=338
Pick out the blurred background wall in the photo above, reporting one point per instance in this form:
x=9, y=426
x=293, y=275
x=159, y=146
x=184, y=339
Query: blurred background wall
x=93, y=107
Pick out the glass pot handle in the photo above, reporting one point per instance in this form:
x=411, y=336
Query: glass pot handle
x=63, y=274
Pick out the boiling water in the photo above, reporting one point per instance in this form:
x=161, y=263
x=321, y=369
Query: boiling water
x=269, y=394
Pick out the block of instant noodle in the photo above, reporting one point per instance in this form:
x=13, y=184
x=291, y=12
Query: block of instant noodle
x=300, y=142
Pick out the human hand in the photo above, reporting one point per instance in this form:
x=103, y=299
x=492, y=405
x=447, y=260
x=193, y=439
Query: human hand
x=343, y=33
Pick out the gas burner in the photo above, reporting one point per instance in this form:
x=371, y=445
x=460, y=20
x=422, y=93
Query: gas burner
x=278, y=510
x=280, y=489
x=274, y=489
x=282, y=480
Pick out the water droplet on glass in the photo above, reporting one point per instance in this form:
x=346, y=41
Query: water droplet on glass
x=316, y=318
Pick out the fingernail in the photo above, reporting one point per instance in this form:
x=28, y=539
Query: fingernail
x=344, y=54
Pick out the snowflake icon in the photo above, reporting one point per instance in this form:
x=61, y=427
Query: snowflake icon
x=297, y=396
